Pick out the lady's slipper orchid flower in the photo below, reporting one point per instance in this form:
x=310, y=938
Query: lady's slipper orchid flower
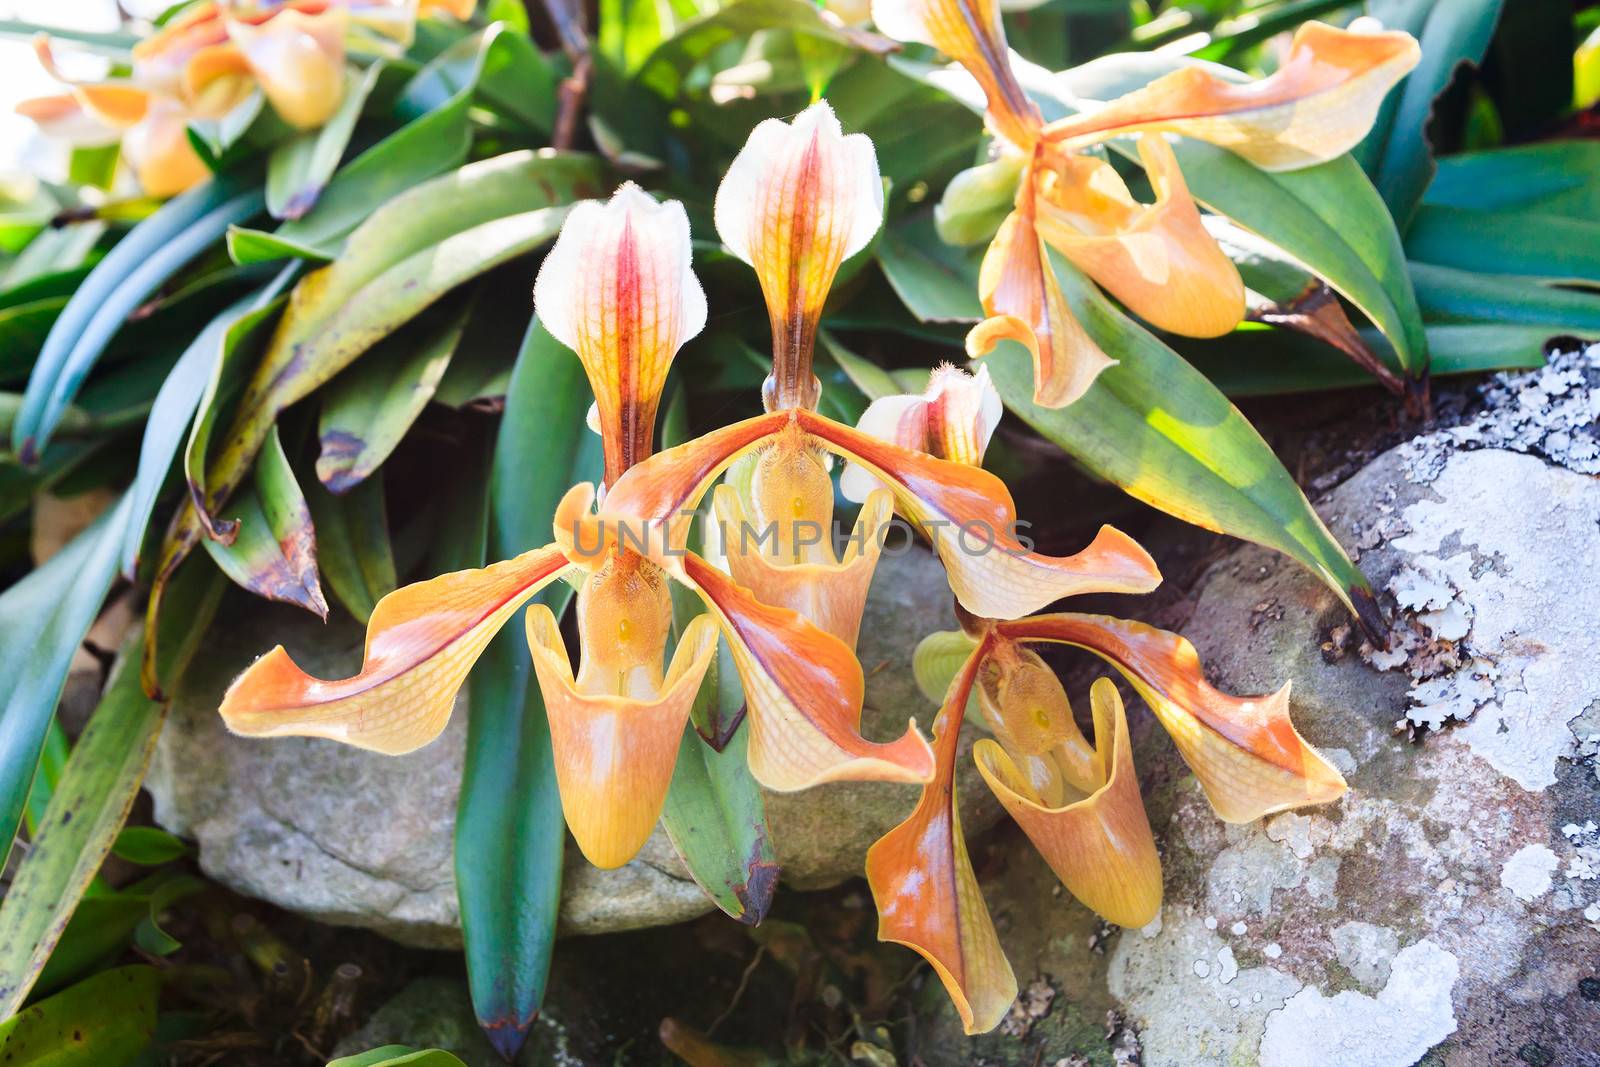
x=617, y=288
x=1158, y=259
x=1079, y=804
x=808, y=185
x=953, y=419
x=208, y=60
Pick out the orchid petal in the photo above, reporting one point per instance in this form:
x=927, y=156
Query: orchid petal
x=118, y=104
x=1101, y=846
x=967, y=513
x=829, y=595
x=1158, y=260
x=970, y=518
x=160, y=152
x=1319, y=104
x=953, y=419
x=804, y=689
x=927, y=894
x=460, y=10
x=421, y=642
x=798, y=200
x=614, y=755
x=617, y=288
x=971, y=33
x=298, y=60
x=62, y=117
x=1019, y=292
x=1245, y=751
x=217, y=80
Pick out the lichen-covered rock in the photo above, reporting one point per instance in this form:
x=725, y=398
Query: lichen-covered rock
x=1447, y=909
x=356, y=838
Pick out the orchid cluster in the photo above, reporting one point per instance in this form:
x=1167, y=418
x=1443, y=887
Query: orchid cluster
x=1157, y=259
x=212, y=58
x=618, y=288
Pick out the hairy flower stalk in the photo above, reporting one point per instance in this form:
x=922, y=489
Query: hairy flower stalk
x=210, y=59
x=1157, y=259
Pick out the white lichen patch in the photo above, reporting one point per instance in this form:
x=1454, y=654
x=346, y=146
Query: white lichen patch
x=1527, y=873
x=1494, y=557
x=1366, y=950
x=1394, y=1029
x=1553, y=413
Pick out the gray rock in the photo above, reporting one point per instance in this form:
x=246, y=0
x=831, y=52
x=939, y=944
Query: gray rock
x=355, y=838
x=1446, y=909
x=350, y=837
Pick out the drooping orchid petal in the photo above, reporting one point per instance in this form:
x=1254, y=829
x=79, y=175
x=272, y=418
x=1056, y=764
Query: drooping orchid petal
x=217, y=80
x=953, y=419
x=927, y=894
x=614, y=754
x=158, y=149
x=1019, y=292
x=831, y=594
x=967, y=513
x=617, y=288
x=421, y=642
x=62, y=117
x=1099, y=846
x=803, y=689
x=803, y=686
x=969, y=32
x=798, y=200
x=297, y=57
x=1158, y=260
x=1319, y=103
x=117, y=104
x=1245, y=751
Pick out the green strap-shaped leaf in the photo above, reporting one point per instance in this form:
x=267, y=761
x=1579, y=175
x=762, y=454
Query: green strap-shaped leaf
x=104, y=1021
x=43, y=619
x=91, y=801
x=299, y=168
x=1551, y=178
x=1396, y=152
x=353, y=545
x=1450, y=295
x=1553, y=248
x=510, y=832
x=367, y=411
x=1155, y=426
x=273, y=552
x=175, y=406
x=129, y=273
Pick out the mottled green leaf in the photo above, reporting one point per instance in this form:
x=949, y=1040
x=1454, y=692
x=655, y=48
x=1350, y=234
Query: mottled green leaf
x=367, y=410
x=1156, y=427
x=273, y=551
x=104, y=1021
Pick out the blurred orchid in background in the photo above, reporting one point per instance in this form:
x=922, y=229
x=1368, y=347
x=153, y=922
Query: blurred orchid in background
x=1157, y=259
x=210, y=59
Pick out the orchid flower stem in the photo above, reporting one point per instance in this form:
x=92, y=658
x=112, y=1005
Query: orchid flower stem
x=567, y=17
